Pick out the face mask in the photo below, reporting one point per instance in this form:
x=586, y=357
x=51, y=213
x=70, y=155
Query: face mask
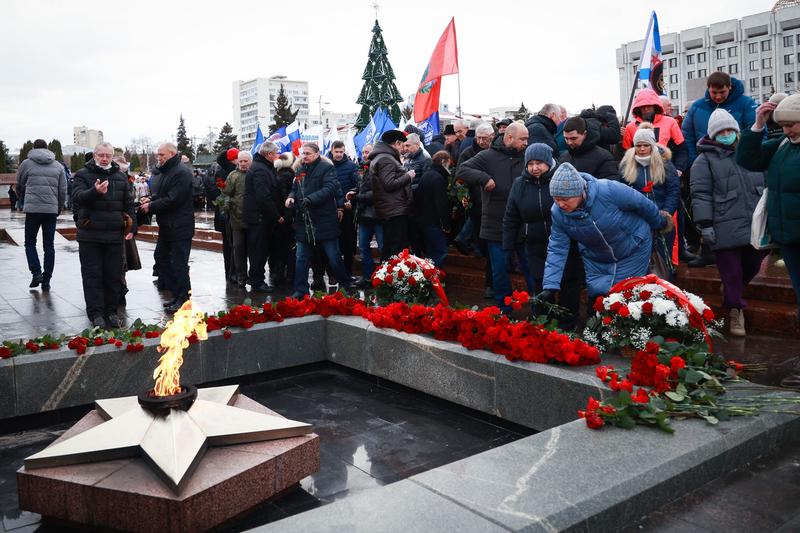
x=727, y=140
x=643, y=160
x=648, y=117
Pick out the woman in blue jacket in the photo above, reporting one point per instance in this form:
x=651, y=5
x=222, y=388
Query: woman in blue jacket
x=647, y=168
x=612, y=224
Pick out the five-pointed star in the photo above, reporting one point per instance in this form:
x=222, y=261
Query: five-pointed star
x=173, y=444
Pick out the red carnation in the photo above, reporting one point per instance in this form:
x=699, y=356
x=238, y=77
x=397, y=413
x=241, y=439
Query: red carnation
x=645, y=295
x=647, y=308
x=598, y=304
x=708, y=315
x=624, y=311
x=376, y=282
x=5, y=352
x=607, y=320
x=648, y=187
x=227, y=334
x=594, y=421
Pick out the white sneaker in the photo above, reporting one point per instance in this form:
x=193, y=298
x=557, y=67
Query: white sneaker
x=737, y=323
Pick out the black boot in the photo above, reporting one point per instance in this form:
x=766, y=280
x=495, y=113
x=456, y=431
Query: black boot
x=36, y=280
x=46, y=282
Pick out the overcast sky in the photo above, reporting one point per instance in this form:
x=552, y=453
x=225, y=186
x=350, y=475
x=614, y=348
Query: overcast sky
x=131, y=69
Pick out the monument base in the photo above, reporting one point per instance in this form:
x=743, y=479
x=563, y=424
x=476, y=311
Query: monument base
x=127, y=495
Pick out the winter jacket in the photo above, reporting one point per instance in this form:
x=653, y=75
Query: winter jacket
x=318, y=183
x=41, y=182
x=528, y=212
x=261, y=182
x=503, y=165
x=474, y=189
x=724, y=194
x=695, y=123
x=99, y=217
x=604, y=118
x=346, y=172
x=781, y=160
x=667, y=194
x=613, y=229
x=666, y=129
x=234, y=187
x=224, y=167
x=430, y=199
x=285, y=182
x=391, y=184
x=436, y=144
x=417, y=162
x=364, y=199
x=590, y=158
x=172, y=201
x=542, y=130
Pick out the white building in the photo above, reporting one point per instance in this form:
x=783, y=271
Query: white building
x=254, y=103
x=504, y=111
x=761, y=50
x=82, y=136
x=332, y=118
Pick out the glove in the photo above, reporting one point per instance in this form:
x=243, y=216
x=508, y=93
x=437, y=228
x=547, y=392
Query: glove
x=546, y=296
x=670, y=224
x=305, y=203
x=709, y=235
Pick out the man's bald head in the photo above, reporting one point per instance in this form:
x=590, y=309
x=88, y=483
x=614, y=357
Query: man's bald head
x=516, y=136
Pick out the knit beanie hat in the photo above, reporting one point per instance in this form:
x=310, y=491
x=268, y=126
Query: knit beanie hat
x=645, y=134
x=721, y=120
x=392, y=136
x=777, y=98
x=567, y=182
x=231, y=154
x=788, y=110
x=539, y=152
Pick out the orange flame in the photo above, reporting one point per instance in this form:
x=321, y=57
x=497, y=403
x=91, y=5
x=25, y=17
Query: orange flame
x=173, y=342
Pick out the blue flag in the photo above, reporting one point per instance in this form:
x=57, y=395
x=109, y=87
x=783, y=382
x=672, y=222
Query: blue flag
x=430, y=127
x=378, y=124
x=259, y=140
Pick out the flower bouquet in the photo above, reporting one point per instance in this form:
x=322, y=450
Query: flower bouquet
x=638, y=309
x=409, y=279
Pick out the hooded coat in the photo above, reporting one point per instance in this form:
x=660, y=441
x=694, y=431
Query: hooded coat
x=605, y=120
x=613, y=229
x=391, y=184
x=724, y=194
x=318, y=183
x=666, y=129
x=172, y=201
x=542, y=130
x=99, y=217
x=41, y=182
x=781, y=160
x=503, y=165
x=590, y=158
x=695, y=123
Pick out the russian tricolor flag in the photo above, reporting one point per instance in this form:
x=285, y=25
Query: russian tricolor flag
x=650, y=68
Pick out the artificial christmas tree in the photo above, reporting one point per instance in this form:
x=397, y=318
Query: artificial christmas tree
x=379, y=89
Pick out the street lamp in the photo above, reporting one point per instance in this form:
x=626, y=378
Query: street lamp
x=320, y=108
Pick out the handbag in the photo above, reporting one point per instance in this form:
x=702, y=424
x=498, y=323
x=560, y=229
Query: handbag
x=658, y=265
x=760, y=239
x=132, y=255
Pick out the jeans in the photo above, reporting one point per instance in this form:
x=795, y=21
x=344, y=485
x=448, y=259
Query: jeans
x=737, y=267
x=501, y=281
x=365, y=232
x=465, y=235
x=101, y=270
x=304, y=252
x=791, y=256
x=395, y=236
x=34, y=221
x=435, y=244
x=176, y=256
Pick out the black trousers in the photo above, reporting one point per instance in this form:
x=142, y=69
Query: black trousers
x=281, y=258
x=258, y=237
x=101, y=270
x=347, y=240
x=176, y=259
x=395, y=236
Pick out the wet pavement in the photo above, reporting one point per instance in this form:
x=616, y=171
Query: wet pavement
x=372, y=433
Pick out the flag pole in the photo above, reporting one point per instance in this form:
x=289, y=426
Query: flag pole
x=630, y=101
x=460, y=112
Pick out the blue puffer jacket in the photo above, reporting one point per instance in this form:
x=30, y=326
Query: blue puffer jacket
x=695, y=123
x=667, y=194
x=613, y=230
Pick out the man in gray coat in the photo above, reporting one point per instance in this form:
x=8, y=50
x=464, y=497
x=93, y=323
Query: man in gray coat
x=42, y=184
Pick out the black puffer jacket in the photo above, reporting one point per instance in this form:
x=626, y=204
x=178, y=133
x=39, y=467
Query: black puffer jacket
x=431, y=205
x=318, y=183
x=542, y=130
x=503, y=165
x=260, y=192
x=364, y=200
x=172, y=200
x=474, y=189
x=391, y=184
x=590, y=158
x=99, y=217
x=604, y=118
x=436, y=144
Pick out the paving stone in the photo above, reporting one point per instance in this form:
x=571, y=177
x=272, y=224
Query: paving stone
x=346, y=341
x=401, y=506
x=439, y=368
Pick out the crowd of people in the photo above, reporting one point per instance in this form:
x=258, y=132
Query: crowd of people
x=568, y=201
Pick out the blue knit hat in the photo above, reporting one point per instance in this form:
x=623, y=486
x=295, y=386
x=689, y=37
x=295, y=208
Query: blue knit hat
x=567, y=182
x=539, y=152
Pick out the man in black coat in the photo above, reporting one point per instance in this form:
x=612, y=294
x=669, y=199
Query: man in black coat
x=542, y=127
x=347, y=174
x=101, y=199
x=584, y=154
x=260, y=211
x=495, y=170
x=171, y=202
x=432, y=209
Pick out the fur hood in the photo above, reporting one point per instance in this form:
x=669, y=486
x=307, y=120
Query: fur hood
x=286, y=160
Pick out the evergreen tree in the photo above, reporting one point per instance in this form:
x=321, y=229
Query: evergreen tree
x=136, y=163
x=5, y=159
x=522, y=113
x=55, y=147
x=23, y=152
x=76, y=162
x=407, y=112
x=379, y=89
x=283, y=112
x=183, y=141
x=202, y=149
x=226, y=140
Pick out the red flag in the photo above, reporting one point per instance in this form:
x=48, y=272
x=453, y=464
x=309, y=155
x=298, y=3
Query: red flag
x=426, y=102
x=444, y=60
